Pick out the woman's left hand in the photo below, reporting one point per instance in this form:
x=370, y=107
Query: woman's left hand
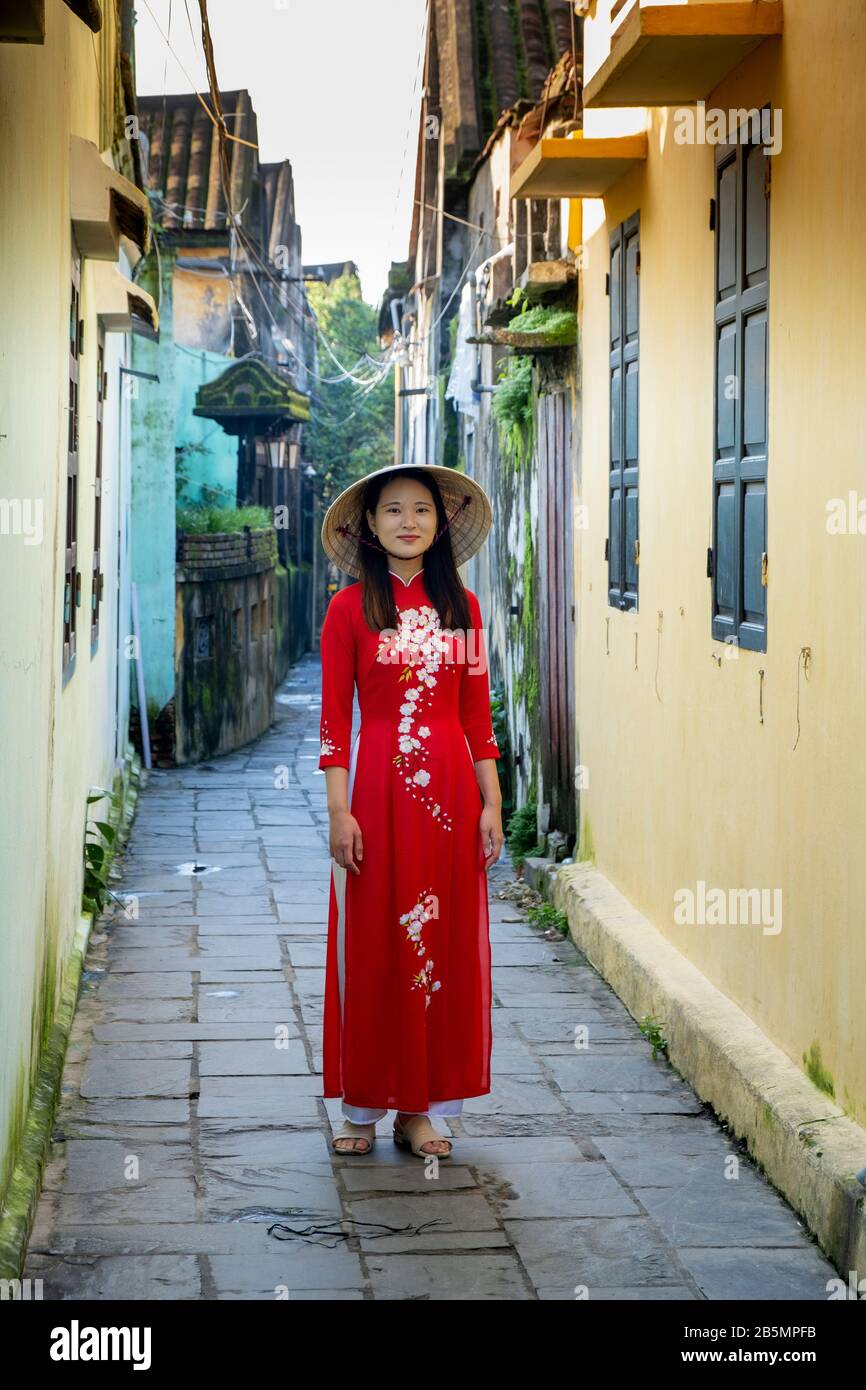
x=492, y=838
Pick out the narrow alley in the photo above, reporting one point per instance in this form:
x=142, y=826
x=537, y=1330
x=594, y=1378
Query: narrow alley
x=485, y=377
x=190, y=1157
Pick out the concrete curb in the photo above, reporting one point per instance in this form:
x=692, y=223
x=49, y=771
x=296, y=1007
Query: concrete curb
x=806, y=1145
x=25, y=1185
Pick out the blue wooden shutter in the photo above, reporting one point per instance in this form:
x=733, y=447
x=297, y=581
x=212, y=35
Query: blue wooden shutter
x=624, y=402
x=740, y=412
x=614, y=546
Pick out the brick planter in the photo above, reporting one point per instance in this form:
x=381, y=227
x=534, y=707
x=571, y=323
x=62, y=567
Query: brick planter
x=226, y=554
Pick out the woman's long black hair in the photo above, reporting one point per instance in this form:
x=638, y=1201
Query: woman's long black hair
x=444, y=585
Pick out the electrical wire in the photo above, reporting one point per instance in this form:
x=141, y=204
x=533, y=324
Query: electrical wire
x=378, y=364
x=238, y=234
x=193, y=87
x=415, y=344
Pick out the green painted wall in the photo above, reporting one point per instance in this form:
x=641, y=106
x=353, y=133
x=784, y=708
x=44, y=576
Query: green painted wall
x=153, y=489
x=208, y=457
x=162, y=425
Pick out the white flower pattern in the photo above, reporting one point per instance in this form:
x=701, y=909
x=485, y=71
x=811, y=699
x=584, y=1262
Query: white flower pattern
x=414, y=921
x=421, y=643
x=327, y=746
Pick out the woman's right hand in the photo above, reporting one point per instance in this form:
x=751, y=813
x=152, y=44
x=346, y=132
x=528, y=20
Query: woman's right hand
x=344, y=840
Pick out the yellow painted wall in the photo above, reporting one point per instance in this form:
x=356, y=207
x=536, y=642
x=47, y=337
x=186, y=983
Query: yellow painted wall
x=56, y=742
x=685, y=782
x=202, y=303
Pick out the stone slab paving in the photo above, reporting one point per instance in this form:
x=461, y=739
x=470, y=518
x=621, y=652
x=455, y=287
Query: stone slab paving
x=191, y=1156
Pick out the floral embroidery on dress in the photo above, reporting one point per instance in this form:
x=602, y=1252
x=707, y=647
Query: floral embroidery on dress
x=423, y=981
x=421, y=642
x=414, y=921
x=327, y=746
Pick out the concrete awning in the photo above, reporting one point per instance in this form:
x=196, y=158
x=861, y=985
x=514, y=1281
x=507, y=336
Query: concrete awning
x=576, y=168
x=88, y=11
x=667, y=55
x=121, y=306
x=23, y=21
x=104, y=204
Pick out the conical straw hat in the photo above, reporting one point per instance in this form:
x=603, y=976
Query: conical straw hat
x=466, y=504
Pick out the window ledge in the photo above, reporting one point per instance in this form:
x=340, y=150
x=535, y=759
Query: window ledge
x=121, y=306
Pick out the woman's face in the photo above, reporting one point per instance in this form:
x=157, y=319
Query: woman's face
x=405, y=518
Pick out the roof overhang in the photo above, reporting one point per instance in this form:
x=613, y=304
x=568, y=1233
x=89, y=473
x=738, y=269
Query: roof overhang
x=665, y=55
x=250, y=397
x=575, y=167
x=104, y=204
x=121, y=306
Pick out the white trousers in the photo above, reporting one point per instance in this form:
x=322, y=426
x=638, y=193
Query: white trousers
x=361, y=1114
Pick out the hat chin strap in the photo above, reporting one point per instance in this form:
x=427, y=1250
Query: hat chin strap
x=346, y=530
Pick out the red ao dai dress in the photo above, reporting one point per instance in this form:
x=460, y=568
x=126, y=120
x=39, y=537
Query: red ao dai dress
x=407, y=983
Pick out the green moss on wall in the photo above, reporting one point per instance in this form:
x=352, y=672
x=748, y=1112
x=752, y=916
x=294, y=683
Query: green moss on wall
x=489, y=111
x=38, y=1083
x=519, y=50
x=816, y=1071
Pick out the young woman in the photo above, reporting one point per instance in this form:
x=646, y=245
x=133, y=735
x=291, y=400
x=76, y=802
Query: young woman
x=414, y=807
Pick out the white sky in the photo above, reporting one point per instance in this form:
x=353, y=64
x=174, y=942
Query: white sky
x=333, y=84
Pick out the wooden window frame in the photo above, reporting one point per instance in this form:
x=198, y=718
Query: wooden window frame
x=98, y=577
x=623, y=592
x=733, y=465
x=72, y=574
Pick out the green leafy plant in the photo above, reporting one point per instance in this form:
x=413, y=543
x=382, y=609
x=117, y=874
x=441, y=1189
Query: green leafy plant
x=352, y=429
x=499, y=719
x=512, y=408
x=183, y=456
x=546, y=916
x=555, y=326
x=521, y=834
x=99, y=837
x=517, y=297
x=651, y=1027
x=207, y=520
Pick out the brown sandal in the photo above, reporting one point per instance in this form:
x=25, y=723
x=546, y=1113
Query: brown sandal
x=417, y=1130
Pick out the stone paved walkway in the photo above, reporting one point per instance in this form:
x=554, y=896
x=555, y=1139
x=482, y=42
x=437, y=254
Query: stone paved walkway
x=185, y=1133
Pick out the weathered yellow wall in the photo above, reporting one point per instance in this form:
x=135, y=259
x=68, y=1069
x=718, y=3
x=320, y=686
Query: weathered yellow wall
x=202, y=303
x=685, y=782
x=56, y=742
